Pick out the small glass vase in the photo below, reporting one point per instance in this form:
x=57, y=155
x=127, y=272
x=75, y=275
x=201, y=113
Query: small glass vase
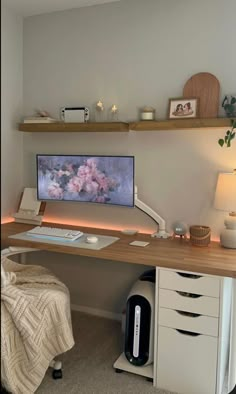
x=113, y=114
x=99, y=112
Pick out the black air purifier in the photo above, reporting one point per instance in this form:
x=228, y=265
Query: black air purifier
x=139, y=328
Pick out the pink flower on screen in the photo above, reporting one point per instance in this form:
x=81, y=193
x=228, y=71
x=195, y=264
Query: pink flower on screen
x=75, y=185
x=92, y=163
x=91, y=187
x=55, y=191
x=83, y=171
x=100, y=199
x=103, y=181
x=60, y=173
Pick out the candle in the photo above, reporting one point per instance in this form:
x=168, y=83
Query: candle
x=99, y=106
x=114, y=108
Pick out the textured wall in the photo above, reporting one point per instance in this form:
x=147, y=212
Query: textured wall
x=131, y=53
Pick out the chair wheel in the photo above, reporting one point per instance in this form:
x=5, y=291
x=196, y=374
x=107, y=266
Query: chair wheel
x=57, y=374
x=118, y=370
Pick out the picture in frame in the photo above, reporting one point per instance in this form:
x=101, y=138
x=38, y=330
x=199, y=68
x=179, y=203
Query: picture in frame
x=183, y=107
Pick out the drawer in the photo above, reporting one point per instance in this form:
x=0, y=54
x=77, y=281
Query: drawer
x=188, y=321
x=186, y=364
x=203, y=305
x=190, y=282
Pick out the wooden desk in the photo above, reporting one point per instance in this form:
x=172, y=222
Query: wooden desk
x=176, y=254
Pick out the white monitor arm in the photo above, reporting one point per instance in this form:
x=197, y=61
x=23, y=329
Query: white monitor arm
x=162, y=233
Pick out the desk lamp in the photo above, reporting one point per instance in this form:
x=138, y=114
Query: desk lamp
x=225, y=200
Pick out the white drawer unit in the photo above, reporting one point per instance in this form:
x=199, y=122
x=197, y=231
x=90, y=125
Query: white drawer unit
x=189, y=282
x=190, y=368
x=188, y=321
x=192, y=331
x=189, y=302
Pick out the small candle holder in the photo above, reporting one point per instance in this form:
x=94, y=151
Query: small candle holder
x=113, y=113
x=99, y=111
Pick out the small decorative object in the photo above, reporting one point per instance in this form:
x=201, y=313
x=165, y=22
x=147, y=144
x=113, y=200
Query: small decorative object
x=200, y=235
x=225, y=200
x=99, y=111
x=181, y=108
x=229, y=105
x=147, y=113
x=229, y=136
x=179, y=230
x=114, y=113
x=43, y=113
x=40, y=117
x=206, y=87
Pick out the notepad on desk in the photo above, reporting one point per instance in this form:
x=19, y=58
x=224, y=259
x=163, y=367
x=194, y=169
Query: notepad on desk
x=139, y=243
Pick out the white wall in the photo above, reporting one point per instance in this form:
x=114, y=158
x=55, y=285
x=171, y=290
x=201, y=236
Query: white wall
x=11, y=110
x=131, y=53
x=134, y=53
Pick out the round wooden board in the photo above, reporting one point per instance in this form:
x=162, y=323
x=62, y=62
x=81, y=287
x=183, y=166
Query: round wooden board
x=206, y=87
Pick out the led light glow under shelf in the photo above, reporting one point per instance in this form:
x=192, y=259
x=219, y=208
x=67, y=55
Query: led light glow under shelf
x=99, y=225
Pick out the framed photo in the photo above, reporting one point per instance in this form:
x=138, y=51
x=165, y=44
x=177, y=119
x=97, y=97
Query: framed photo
x=183, y=107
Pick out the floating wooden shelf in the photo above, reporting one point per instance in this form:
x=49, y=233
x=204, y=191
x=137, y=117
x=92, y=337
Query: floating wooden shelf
x=179, y=124
x=173, y=124
x=74, y=127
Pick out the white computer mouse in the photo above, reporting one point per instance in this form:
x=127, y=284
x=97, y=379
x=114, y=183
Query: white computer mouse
x=91, y=239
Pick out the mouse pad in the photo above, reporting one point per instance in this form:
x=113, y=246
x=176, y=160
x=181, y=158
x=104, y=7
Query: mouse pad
x=103, y=241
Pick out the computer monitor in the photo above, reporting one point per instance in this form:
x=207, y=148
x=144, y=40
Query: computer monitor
x=86, y=178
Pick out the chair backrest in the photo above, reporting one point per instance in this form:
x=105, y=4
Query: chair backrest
x=9, y=277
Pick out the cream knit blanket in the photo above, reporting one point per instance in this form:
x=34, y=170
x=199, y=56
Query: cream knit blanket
x=35, y=324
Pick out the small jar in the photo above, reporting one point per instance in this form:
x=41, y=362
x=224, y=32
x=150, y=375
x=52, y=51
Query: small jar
x=147, y=113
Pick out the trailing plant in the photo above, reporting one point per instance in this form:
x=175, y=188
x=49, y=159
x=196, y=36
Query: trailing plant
x=229, y=136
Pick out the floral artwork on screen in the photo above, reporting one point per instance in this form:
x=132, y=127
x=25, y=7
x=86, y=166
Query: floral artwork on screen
x=98, y=179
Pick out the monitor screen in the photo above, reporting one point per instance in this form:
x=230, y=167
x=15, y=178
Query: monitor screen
x=83, y=178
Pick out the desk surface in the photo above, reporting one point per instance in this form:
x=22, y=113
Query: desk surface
x=176, y=254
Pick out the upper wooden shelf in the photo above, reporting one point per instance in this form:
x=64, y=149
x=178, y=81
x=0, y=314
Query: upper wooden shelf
x=176, y=124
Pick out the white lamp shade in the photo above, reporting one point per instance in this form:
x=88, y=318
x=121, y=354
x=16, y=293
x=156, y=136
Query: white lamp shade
x=225, y=196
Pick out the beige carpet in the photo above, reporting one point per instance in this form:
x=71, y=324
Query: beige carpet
x=87, y=368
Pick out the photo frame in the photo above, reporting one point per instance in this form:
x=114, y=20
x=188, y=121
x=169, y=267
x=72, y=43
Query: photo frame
x=183, y=107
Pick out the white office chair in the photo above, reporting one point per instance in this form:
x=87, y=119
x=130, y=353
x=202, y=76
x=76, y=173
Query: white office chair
x=36, y=323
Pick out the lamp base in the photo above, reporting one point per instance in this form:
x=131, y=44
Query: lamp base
x=228, y=238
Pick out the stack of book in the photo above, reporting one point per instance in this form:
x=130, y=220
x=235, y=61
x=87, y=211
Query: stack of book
x=39, y=119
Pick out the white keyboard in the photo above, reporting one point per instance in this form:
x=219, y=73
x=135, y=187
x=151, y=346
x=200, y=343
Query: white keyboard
x=58, y=234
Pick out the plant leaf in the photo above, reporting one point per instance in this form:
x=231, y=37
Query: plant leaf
x=233, y=100
x=221, y=142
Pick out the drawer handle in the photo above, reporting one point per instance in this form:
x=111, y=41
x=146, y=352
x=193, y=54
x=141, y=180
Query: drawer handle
x=190, y=295
x=189, y=314
x=190, y=276
x=192, y=334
